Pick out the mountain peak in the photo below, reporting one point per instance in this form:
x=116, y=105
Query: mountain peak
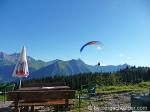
x=77, y=60
x=80, y=60
x=54, y=67
x=57, y=60
x=2, y=54
x=15, y=54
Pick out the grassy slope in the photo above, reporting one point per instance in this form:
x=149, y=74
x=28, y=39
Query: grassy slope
x=143, y=86
x=1, y=98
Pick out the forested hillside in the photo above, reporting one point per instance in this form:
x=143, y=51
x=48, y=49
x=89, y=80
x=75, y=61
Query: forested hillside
x=126, y=76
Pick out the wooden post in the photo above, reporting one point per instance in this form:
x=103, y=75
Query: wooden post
x=66, y=103
x=32, y=108
x=20, y=83
x=79, y=101
x=16, y=107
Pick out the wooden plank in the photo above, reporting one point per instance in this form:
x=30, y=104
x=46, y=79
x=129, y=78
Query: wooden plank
x=44, y=88
x=41, y=95
x=43, y=84
x=51, y=102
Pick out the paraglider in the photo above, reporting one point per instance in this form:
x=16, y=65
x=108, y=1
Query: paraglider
x=91, y=43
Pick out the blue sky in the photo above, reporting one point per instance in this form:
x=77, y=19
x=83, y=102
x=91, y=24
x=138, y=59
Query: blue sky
x=56, y=29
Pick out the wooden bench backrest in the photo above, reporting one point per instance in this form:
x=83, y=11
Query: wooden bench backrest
x=43, y=84
x=41, y=95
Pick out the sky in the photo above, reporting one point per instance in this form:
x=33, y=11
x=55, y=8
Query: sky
x=57, y=29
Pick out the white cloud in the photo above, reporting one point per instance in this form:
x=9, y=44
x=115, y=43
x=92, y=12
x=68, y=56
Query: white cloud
x=86, y=61
x=124, y=56
x=99, y=48
x=121, y=55
x=129, y=58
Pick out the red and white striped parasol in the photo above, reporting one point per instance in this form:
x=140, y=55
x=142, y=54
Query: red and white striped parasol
x=21, y=68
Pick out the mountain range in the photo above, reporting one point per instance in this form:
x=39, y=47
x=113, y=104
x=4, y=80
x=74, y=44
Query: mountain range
x=39, y=68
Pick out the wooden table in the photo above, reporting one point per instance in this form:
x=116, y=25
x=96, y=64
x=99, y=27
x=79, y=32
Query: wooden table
x=41, y=96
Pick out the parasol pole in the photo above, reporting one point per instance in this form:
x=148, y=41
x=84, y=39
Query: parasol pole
x=20, y=83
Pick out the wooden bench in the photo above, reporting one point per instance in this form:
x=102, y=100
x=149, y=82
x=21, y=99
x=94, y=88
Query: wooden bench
x=56, y=98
